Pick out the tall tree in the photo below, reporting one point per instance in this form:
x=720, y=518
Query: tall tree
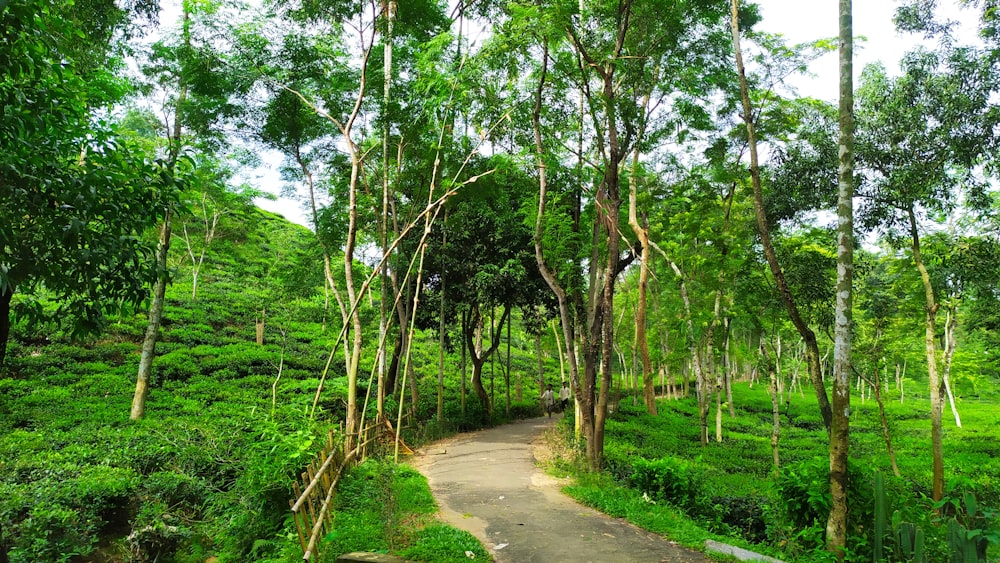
x=920, y=136
x=199, y=91
x=836, y=526
x=614, y=54
x=764, y=230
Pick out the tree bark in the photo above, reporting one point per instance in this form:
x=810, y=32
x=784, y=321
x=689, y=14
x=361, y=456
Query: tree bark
x=160, y=287
x=383, y=321
x=885, y=425
x=541, y=365
x=462, y=393
x=6, y=294
x=441, y=330
x=836, y=524
x=930, y=348
x=153, y=326
x=479, y=359
x=729, y=373
x=584, y=399
x=641, y=231
x=950, y=343
x=701, y=385
x=772, y=388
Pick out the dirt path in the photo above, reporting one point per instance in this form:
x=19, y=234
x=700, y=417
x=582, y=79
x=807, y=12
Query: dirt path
x=486, y=482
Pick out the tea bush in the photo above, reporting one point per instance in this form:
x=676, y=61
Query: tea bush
x=670, y=479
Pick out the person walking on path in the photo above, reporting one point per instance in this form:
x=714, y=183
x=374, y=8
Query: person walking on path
x=564, y=395
x=549, y=399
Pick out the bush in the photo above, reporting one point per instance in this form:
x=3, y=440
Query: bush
x=744, y=515
x=61, y=513
x=618, y=458
x=804, y=491
x=53, y=532
x=670, y=479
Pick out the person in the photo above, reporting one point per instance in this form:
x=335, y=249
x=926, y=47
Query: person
x=549, y=399
x=564, y=395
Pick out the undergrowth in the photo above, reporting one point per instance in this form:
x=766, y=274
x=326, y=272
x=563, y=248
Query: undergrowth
x=657, y=475
x=386, y=508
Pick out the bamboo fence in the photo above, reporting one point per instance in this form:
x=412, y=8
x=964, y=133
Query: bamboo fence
x=315, y=490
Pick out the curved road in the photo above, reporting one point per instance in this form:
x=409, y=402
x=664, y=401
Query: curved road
x=486, y=482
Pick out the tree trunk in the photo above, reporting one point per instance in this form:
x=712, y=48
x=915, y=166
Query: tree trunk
x=153, y=326
x=641, y=231
x=441, y=329
x=507, y=373
x=331, y=282
x=351, y=424
x=479, y=358
x=937, y=450
x=772, y=388
x=392, y=371
x=584, y=399
x=950, y=343
x=701, y=385
x=6, y=294
x=836, y=524
x=541, y=366
x=885, y=425
x=729, y=374
x=383, y=321
x=812, y=346
x=464, y=323
x=174, y=135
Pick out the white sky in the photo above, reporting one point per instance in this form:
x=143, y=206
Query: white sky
x=807, y=20
x=799, y=21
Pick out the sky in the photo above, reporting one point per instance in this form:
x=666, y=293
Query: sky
x=799, y=21
x=807, y=20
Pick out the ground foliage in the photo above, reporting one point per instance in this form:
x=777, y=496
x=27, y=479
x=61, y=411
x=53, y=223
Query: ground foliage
x=659, y=477
x=209, y=470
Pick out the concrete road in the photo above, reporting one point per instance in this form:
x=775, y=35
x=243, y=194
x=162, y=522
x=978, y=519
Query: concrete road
x=486, y=482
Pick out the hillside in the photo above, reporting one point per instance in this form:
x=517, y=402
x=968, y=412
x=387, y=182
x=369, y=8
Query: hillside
x=208, y=470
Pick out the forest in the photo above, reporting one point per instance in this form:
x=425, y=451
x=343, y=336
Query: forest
x=779, y=316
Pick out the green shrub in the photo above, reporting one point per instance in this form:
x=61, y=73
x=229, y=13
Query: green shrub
x=53, y=532
x=669, y=479
x=804, y=492
x=743, y=516
x=618, y=459
x=804, y=489
x=178, y=365
x=175, y=489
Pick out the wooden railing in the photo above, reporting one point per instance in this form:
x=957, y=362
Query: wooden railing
x=316, y=489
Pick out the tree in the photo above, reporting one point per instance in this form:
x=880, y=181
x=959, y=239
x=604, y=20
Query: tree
x=836, y=526
x=199, y=91
x=920, y=137
x=613, y=54
x=78, y=195
x=767, y=216
x=486, y=262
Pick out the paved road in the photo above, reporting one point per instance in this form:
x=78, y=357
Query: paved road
x=486, y=482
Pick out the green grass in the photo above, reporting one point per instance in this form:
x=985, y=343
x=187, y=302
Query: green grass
x=387, y=508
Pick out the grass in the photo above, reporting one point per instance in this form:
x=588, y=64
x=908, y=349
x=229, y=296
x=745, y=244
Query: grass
x=388, y=508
